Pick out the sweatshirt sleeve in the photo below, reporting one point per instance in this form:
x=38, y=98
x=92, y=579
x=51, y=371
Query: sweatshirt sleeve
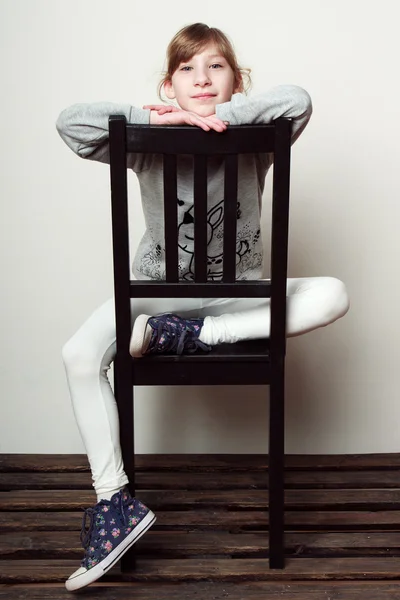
x=84, y=128
x=289, y=101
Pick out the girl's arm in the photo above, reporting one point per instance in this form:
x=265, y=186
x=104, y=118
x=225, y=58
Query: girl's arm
x=84, y=128
x=171, y=116
x=289, y=101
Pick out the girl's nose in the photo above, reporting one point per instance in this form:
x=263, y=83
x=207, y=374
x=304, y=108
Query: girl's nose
x=202, y=78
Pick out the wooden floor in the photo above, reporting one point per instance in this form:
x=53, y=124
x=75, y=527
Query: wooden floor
x=210, y=540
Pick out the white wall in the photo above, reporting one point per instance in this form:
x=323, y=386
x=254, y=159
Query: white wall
x=342, y=381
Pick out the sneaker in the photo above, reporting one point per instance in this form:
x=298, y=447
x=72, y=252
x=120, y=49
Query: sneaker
x=166, y=333
x=114, y=526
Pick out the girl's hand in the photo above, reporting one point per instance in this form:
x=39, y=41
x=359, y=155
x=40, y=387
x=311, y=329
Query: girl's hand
x=161, y=108
x=184, y=117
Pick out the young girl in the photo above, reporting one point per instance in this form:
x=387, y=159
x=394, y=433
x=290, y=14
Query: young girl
x=205, y=80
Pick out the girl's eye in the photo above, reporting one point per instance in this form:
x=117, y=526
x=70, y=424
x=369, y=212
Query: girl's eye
x=213, y=66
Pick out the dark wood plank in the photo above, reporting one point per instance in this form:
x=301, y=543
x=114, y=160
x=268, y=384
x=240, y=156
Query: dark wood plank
x=157, y=544
x=207, y=481
x=176, y=500
x=205, y=462
x=58, y=463
x=257, y=590
x=342, y=520
x=234, y=521
x=355, y=568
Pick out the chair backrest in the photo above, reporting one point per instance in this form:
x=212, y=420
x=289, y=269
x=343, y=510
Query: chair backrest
x=171, y=141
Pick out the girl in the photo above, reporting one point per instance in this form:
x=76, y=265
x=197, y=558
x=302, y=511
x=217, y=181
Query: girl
x=205, y=80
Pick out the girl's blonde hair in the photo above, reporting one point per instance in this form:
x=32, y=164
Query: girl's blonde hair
x=191, y=40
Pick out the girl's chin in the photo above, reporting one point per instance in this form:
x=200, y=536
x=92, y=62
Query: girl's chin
x=204, y=113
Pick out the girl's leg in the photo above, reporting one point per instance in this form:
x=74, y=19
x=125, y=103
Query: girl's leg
x=87, y=357
x=312, y=302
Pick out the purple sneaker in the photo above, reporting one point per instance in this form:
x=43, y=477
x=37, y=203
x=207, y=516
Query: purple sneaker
x=114, y=526
x=166, y=333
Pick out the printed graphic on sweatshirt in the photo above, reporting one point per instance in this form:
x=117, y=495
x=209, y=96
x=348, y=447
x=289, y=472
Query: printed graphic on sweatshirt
x=248, y=246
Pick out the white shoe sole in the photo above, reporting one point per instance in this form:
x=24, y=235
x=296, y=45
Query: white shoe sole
x=76, y=582
x=138, y=341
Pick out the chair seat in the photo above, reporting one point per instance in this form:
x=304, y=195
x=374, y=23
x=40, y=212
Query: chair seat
x=245, y=363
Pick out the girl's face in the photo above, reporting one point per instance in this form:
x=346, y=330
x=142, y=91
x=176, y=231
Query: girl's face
x=202, y=82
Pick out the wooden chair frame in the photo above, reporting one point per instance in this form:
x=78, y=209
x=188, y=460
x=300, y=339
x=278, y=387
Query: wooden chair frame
x=257, y=362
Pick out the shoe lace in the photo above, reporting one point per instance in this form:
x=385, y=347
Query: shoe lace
x=186, y=340
x=121, y=507
x=87, y=532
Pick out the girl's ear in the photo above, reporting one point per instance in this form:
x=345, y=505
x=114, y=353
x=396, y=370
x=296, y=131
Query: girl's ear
x=239, y=87
x=169, y=90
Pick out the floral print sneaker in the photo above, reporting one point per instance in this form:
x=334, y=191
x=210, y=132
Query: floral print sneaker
x=167, y=333
x=114, y=526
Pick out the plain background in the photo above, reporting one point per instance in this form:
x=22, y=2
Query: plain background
x=342, y=380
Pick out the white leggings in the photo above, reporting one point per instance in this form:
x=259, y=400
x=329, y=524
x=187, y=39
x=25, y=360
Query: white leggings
x=312, y=302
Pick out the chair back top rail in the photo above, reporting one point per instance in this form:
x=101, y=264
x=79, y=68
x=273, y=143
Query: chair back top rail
x=237, y=139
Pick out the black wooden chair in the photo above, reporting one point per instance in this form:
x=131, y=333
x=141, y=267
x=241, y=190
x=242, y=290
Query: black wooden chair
x=246, y=363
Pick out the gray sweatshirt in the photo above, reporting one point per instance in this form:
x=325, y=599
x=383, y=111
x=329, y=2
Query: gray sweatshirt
x=84, y=128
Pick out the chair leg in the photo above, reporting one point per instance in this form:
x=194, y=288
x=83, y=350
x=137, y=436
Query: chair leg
x=124, y=395
x=128, y=561
x=276, y=469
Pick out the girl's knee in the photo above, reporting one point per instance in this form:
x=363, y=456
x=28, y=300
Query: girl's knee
x=79, y=358
x=338, y=302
